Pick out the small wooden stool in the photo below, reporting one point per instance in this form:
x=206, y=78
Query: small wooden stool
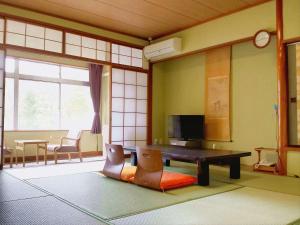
x=266, y=168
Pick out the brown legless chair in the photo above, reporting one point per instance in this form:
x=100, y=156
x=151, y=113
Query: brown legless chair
x=150, y=172
x=115, y=164
x=68, y=145
x=149, y=168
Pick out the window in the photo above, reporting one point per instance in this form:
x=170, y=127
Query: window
x=129, y=107
x=9, y=104
x=127, y=56
x=86, y=47
x=46, y=96
x=32, y=36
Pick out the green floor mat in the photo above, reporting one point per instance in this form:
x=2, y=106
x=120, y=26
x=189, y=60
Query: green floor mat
x=283, y=184
x=244, y=206
x=109, y=199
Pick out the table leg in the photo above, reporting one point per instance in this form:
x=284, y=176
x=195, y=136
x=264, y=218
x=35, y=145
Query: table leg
x=235, y=168
x=133, y=159
x=24, y=156
x=45, y=155
x=37, y=153
x=203, y=173
x=167, y=162
x=16, y=156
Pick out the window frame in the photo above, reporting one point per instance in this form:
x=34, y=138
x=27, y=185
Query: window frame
x=17, y=77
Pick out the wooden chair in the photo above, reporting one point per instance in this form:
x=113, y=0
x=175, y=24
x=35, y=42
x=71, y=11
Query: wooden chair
x=8, y=152
x=115, y=164
x=68, y=144
x=150, y=172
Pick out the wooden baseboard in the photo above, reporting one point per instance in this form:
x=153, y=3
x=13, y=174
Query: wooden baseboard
x=60, y=156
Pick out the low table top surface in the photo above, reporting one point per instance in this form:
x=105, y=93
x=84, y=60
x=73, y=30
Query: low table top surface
x=194, y=154
x=31, y=141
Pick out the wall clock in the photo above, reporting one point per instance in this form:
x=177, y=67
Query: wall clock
x=262, y=38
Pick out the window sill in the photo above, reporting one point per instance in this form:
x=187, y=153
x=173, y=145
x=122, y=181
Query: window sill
x=39, y=130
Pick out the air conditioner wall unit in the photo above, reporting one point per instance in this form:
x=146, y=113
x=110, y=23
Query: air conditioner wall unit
x=163, y=49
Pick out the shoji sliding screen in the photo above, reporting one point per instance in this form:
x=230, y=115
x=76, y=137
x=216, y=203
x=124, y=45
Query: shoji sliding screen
x=129, y=107
x=2, y=59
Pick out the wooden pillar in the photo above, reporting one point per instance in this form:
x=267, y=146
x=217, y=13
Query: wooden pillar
x=282, y=89
x=149, y=103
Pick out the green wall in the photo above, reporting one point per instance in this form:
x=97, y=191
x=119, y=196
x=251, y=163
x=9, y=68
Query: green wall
x=178, y=88
x=291, y=13
x=236, y=26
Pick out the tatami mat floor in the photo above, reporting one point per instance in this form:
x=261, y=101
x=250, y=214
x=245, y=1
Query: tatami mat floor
x=32, y=195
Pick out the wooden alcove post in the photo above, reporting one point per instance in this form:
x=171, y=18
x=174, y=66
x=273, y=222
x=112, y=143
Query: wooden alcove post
x=281, y=89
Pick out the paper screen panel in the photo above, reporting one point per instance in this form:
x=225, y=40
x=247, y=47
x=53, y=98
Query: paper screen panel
x=32, y=42
x=1, y=78
x=117, y=134
x=117, y=90
x=141, y=92
x=53, y=35
x=137, y=62
x=137, y=53
x=89, y=42
x=129, y=133
x=88, y=53
x=130, y=105
x=73, y=39
x=141, y=133
x=117, y=104
x=124, y=60
x=130, y=77
x=15, y=39
x=129, y=119
x=142, y=79
x=35, y=31
x=1, y=37
x=117, y=119
x=15, y=27
x=101, y=55
x=141, y=106
x=53, y=46
x=141, y=119
x=73, y=50
x=117, y=76
x=130, y=91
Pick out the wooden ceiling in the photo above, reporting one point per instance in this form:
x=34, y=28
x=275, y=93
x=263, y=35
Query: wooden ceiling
x=140, y=18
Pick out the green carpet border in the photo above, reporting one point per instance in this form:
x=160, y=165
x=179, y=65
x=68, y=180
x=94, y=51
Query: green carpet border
x=129, y=214
x=181, y=202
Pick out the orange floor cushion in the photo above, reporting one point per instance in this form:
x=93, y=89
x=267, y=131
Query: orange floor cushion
x=128, y=173
x=172, y=180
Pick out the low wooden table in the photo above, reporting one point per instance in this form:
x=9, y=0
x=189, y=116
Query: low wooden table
x=40, y=144
x=202, y=157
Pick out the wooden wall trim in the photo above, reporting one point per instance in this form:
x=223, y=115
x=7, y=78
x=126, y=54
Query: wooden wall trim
x=198, y=51
x=292, y=40
x=281, y=89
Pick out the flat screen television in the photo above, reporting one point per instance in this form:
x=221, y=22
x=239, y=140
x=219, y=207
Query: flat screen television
x=186, y=127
